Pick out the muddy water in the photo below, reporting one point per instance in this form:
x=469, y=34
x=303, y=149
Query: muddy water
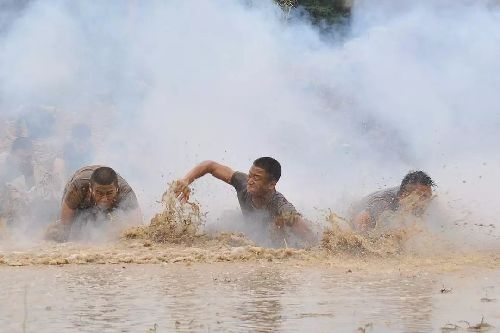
x=288, y=296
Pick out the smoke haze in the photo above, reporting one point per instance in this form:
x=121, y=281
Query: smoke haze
x=165, y=85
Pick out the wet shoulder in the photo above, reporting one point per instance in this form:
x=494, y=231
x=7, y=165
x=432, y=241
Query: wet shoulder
x=126, y=196
x=239, y=181
x=387, y=195
x=123, y=187
x=84, y=174
x=76, y=192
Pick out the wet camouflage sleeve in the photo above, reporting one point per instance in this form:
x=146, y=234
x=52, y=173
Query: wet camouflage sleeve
x=73, y=195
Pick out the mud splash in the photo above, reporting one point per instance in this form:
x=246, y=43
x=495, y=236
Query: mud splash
x=176, y=235
x=177, y=223
x=182, y=223
x=340, y=248
x=340, y=238
x=223, y=249
x=338, y=241
x=218, y=249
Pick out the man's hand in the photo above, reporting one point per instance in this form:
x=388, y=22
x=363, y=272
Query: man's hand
x=181, y=190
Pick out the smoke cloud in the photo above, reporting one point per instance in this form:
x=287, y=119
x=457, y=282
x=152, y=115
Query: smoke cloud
x=164, y=85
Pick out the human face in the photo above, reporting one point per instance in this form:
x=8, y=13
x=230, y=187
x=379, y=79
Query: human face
x=417, y=198
x=258, y=182
x=104, y=195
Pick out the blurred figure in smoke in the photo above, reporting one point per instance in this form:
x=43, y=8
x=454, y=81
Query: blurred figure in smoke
x=78, y=151
x=95, y=195
x=256, y=193
x=19, y=163
x=42, y=200
x=412, y=197
x=16, y=180
x=36, y=122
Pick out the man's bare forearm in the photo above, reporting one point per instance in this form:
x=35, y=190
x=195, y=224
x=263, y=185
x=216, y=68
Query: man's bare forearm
x=217, y=170
x=301, y=229
x=199, y=171
x=67, y=214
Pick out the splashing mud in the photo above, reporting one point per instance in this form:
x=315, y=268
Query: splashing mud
x=392, y=236
x=152, y=244
x=336, y=241
x=176, y=235
x=177, y=223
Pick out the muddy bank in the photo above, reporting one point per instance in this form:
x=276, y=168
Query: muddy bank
x=175, y=235
x=233, y=249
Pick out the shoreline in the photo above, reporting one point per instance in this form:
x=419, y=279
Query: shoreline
x=143, y=252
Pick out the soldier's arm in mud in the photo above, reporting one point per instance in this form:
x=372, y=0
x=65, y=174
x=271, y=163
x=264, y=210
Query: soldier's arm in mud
x=59, y=230
x=66, y=220
x=67, y=214
x=301, y=229
x=219, y=171
x=72, y=197
x=298, y=225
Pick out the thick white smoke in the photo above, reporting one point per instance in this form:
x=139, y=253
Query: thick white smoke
x=168, y=84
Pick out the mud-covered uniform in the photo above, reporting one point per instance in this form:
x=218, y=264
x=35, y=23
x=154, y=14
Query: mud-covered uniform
x=378, y=203
x=277, y=209
x=77, y=194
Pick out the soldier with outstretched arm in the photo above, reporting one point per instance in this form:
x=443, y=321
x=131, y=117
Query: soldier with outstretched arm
x=256, y=192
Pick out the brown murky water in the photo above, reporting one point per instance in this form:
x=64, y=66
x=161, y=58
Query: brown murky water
x=258, y=296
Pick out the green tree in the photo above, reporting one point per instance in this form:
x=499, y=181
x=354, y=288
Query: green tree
x=330, y=11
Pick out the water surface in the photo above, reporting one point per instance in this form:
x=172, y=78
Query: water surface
x=241, y=297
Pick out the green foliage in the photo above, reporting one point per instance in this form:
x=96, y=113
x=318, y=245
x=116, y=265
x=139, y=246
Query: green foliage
x=329, y=11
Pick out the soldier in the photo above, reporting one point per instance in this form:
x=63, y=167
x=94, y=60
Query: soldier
x=256, y=192
x=92, y=194
x=413, y=196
